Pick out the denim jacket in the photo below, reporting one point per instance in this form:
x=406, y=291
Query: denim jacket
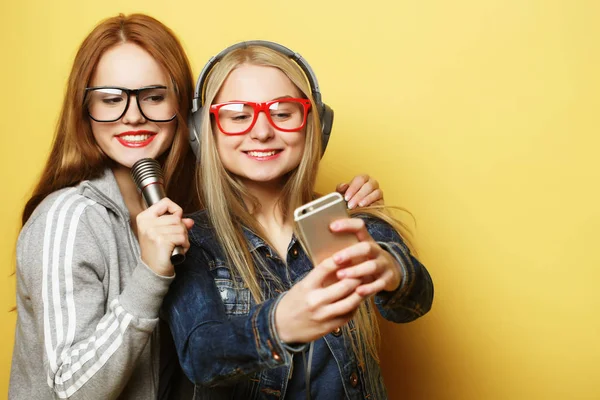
x=227, y=344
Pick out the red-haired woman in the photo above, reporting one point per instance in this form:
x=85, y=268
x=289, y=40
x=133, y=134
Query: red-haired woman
x=92, y=264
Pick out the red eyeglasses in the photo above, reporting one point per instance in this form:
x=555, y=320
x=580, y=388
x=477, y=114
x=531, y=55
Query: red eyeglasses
x=238, y=117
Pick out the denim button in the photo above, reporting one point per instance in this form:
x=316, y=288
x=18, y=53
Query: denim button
x=295, y=252
x=353, y=379
x=337, y=332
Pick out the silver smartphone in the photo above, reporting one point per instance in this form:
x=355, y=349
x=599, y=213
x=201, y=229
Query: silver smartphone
x=313, y=221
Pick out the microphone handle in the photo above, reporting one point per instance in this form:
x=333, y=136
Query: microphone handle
x=153, y=193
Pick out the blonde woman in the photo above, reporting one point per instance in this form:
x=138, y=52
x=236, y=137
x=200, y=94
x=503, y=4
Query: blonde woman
x=247, y=301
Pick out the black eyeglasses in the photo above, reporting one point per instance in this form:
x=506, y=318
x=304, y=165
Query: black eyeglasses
x=110, y=103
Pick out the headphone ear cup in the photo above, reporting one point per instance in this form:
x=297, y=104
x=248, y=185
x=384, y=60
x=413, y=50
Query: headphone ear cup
x=194, y=124
x=326, y=116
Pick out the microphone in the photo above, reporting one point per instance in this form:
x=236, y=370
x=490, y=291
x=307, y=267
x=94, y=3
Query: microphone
x=148, y=177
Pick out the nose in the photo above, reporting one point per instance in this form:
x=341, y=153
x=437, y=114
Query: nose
x=262, y=129
x=133, y=115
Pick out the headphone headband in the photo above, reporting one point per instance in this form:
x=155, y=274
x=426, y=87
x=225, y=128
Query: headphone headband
x=312, y=78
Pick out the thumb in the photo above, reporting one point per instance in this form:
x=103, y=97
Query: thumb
x=188, y=222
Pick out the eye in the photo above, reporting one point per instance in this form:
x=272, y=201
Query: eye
x=112, y=100
x=281, y=115
x=240, y=117
x=155, y=98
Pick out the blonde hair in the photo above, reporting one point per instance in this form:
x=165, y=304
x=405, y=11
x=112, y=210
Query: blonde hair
x=224, y=200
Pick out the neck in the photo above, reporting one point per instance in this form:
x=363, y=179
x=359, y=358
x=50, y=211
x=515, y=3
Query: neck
x=267, y=195
x=131, y=196
x=277, y=227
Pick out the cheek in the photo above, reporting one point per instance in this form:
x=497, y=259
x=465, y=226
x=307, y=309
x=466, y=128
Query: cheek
x=227, y=148
x=170, y=129
x=101, y=131
x=297, y=142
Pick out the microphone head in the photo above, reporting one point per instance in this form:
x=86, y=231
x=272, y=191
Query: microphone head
x=146, y=171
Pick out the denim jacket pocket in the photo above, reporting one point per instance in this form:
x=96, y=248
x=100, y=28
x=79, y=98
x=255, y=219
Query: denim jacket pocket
x=235, y=296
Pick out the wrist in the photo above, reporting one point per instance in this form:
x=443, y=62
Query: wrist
x=164, y=271
x=394, y=283
x=280, y=322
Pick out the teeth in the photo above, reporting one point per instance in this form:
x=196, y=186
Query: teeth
x=262, y=153
x=135, y=138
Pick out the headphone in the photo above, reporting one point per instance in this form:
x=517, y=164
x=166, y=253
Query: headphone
x=195, y=119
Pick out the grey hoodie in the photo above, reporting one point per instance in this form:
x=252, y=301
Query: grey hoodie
x=87, y=305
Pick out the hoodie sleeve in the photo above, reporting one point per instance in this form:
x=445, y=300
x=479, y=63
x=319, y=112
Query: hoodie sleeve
x=64, y=260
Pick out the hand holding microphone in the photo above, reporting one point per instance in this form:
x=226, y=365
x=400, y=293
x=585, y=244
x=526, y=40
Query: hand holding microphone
x=148, y=177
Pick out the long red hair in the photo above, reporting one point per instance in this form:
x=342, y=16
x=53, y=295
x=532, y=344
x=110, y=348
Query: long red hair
x=75, y=155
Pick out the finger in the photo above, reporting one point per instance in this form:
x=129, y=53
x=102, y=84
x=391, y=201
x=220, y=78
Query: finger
x=346, y=305
x=164, y=206
x=176, y=239
x=371, y=199
x=367, y=268
x=355, y=185
x=356, y=253
x=319, y=274
x=363, y=191
x=371, y=288
x=337, y=322
x=341, y=188
x=354, y=225
x=166, y=220
x=170, y=234
x=169, y=229
x=188, y=222
x=333, y=292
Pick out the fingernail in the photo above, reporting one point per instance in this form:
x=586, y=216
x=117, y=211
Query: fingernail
x=347, y=197
x=341, y=274
x=351, y=205
x=338, y=258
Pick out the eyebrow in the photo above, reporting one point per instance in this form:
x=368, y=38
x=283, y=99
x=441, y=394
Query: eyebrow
x=287, y=96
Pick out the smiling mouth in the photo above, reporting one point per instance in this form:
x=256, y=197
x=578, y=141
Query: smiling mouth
x=136, y=140
x=255, y=153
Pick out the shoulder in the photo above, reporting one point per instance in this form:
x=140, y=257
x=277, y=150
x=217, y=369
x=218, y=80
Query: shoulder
x=203, y=231
x=64, y=217
x=203, y=236
x=61, y=207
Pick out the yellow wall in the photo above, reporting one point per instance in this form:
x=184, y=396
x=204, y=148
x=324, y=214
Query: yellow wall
x=481, y=117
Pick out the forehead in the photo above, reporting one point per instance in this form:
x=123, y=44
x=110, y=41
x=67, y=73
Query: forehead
x=256, y=83
x=128, y=65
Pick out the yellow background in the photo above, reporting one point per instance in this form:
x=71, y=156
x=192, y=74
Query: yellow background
x=480, y=117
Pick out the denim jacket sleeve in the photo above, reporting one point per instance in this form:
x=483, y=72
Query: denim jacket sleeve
x=213, y=347
x=414, y=295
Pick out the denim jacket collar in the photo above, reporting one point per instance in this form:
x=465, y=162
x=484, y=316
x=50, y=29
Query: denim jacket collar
x=255, y=242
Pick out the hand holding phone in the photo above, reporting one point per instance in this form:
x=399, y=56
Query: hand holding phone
x=313, y=221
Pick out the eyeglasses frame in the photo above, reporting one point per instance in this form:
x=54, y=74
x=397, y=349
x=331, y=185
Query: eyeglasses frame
x=264, y=107
x=129, y=93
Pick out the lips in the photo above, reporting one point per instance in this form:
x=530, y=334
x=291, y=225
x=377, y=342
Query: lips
x=136, y=139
